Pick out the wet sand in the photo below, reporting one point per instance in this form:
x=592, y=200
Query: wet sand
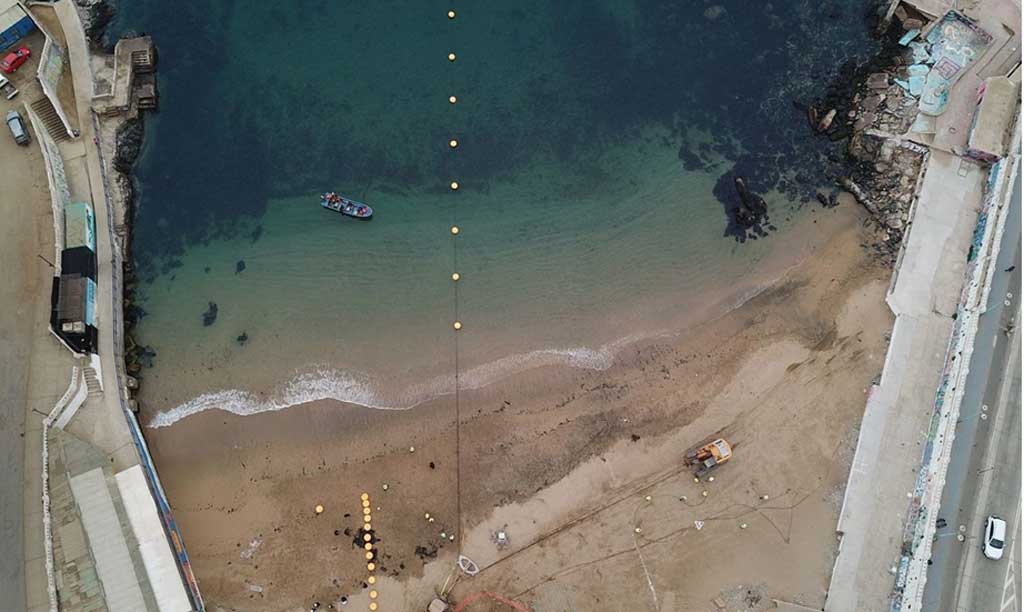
x=527, y=447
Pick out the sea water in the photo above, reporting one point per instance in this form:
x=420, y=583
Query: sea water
x=597, y=145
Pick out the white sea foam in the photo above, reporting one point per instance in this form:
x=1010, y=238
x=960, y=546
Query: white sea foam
x=324, y=382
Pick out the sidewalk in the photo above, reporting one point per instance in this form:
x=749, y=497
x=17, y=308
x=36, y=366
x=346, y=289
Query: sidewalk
x=895, y=427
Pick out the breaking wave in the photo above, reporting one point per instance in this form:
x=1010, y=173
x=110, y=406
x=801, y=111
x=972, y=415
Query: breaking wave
x=324, y=382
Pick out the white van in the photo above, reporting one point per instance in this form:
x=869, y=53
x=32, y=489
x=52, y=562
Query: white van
x=995, y=538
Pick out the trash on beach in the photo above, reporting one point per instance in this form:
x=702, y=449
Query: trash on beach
x=637, y=530
x=743, y=525
x=254, y=544
x=704, y=493
x=426, y=516
x=319, y=509
x=699, y=525
x=384, y=486
x=412, y=449
x=648, y=498
x=500, y=537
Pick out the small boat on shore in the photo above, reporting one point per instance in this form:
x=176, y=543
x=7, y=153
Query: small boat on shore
x=345, y=206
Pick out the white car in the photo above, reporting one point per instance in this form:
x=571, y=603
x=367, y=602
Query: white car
x=995, y=537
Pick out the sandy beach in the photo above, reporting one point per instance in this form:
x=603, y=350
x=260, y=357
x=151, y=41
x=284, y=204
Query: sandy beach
x=783, y=377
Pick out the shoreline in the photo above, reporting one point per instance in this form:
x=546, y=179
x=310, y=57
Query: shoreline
x=316, y=382
x=235, y=478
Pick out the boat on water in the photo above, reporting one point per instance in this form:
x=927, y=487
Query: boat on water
x=345, y=206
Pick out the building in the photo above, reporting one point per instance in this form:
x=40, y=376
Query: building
x=15, y=23
x=993, y=117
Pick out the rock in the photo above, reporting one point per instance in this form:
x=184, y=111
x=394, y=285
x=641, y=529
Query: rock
x=812, y=117
x=859, y=194
x=239, y=266
x=912, y=24
x=96, y=15
x=826, y=121
x=210, y=315
x=242, y=339
x=128, y=144
x=870, y=103
x=878, y=80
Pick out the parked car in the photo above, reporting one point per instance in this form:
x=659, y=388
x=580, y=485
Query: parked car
x=995, y=537
x=17, y=126
x=15, y=59
x=6, y=89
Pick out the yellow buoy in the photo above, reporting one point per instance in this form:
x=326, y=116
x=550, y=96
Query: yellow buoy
x=368, y=546
x=366, y=503
x=371, y=566
x=364, y=496
x=452, y=99
x=455, y=229
x=369, y=555
x=451, y=57
x=366, y=510
x=456, y=276
x=372, y=580
x=366, y=526
x=454, y=185
x=367, y=537
x=453, y=143
x=366, y=517
x=457, y=325
x=373, y=605
x=319, y=509
x=451, y=14
x=373, y=594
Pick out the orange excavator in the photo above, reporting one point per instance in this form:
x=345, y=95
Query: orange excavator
x=709, y=456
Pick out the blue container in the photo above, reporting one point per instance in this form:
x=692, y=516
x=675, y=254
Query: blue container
x=15, y=32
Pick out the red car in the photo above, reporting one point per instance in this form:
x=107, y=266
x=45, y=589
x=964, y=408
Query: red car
x=14, y=60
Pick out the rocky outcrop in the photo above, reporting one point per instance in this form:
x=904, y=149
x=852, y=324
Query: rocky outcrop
x=96, y=16
x=128, y=144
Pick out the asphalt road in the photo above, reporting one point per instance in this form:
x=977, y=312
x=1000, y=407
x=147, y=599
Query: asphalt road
x=985, y=468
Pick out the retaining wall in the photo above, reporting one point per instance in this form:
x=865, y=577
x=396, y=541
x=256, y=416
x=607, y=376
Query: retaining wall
x=920, y=526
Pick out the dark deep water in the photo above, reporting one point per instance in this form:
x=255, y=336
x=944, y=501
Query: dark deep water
x=263, y=100
x=598, y=143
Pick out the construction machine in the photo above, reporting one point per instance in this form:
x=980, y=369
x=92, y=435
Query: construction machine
x=709, y=456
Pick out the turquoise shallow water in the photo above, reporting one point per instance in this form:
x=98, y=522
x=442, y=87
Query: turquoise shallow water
x=592, y=138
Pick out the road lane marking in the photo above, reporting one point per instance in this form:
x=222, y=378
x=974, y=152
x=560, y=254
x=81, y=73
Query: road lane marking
x=1008, y=579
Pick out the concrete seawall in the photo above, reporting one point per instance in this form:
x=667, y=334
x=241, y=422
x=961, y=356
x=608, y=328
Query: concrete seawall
x=924, y=295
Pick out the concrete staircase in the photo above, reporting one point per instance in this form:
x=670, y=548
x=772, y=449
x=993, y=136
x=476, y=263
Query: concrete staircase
x=43, y=108
x=92, y=382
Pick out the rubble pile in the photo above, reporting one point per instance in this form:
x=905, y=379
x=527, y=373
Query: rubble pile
x=879, y=120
